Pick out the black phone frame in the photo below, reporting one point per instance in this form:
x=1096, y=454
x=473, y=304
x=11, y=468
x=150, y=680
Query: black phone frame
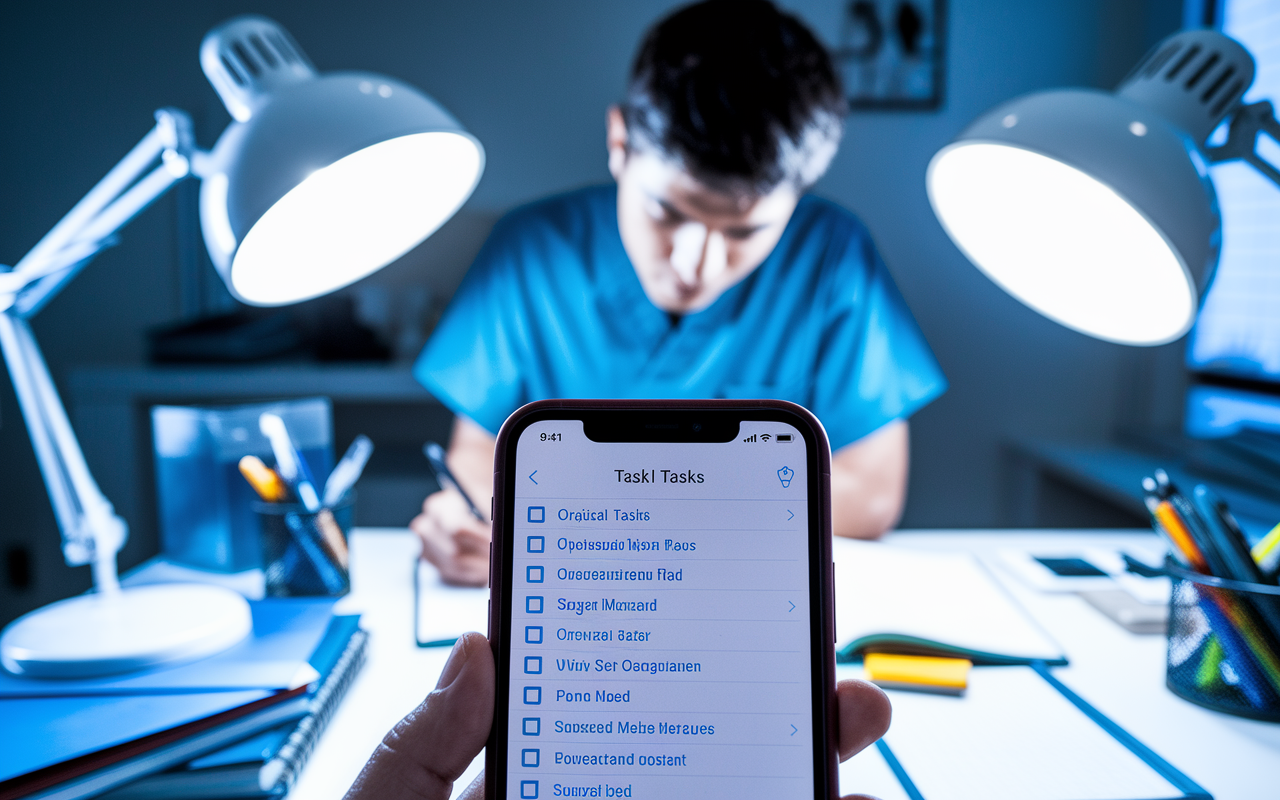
x=675, y=421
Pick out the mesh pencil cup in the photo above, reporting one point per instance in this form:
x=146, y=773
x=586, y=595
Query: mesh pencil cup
x=1224, y=644
x=302, y=553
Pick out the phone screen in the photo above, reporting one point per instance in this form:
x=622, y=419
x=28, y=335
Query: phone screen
x=661, y=643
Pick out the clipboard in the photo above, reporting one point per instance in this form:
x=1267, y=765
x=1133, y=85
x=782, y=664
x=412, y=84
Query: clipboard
x=442, y=613
x=1066, y=748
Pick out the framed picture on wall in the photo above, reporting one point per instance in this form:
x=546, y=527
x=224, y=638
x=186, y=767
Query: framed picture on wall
x=892, y=53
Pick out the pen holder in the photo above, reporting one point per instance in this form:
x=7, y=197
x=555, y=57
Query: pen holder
x=1224, y=645
x=305, y=554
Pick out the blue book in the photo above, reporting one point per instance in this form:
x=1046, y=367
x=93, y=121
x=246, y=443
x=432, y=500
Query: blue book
x=82, y=745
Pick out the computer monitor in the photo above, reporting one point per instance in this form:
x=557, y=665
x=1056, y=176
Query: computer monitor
x=1235, y=344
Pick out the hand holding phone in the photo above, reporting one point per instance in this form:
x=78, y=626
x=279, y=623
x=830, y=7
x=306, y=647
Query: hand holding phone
x=661, y=607
x=432, y=747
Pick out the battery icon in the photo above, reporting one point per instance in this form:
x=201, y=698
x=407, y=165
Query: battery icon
x=784, y=437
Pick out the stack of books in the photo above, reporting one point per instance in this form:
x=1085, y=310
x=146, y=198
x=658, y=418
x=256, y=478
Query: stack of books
x=237, y=724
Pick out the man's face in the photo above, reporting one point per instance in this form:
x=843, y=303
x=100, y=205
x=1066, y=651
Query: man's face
x=689, y=243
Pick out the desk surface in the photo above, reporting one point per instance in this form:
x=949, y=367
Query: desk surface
x=1120, y=673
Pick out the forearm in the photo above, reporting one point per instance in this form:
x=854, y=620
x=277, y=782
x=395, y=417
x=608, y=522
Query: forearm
x=470, y=459
x=869, y=483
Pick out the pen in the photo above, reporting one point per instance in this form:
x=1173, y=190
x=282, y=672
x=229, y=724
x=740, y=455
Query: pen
x=348, y=470
x=295, y=473
x=290, y=465
x=263, y=479
x=435, y=458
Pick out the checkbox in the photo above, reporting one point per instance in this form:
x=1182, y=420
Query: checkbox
x=537, y=514
x=533, y=665
x=528, y=790
x=532, y=726
x=533, y=634
x=530, y=757
x=533, y=695
x=533, y=604
x=533, y=574
x=537, y=544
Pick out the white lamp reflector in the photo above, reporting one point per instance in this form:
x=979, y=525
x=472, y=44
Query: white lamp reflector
x=1062, y=242
x=136, y=628
x=355, y=216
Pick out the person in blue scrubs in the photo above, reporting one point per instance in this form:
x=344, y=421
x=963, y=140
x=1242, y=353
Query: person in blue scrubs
x=705, y=271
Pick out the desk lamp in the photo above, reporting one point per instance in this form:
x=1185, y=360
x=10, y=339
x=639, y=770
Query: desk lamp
x=1096, y=208
x=318, y=181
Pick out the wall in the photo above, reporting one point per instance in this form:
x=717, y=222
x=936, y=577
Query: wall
x=532, y=80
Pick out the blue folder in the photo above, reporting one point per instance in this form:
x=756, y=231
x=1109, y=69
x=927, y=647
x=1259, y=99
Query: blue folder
x=285, y=633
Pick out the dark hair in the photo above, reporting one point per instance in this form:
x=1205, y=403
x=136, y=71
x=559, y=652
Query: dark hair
x=740, y=93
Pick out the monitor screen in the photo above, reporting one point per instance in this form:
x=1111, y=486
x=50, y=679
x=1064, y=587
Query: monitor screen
x=1238, y=331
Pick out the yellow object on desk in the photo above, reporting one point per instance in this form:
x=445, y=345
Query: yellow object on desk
x=918, y=673
x=264, y=480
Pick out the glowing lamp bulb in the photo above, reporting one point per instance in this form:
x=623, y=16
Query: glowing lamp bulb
x=1062, y=242
x=351, y=218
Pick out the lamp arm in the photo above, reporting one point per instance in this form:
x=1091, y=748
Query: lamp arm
x=91, y=530
x=1242, y=138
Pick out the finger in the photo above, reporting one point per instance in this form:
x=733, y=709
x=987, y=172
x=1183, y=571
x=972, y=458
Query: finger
x=427, y=750
x=863, y=712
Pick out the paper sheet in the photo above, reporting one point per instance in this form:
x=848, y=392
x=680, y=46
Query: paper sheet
x=948, y=598
x=1012, y=736
x=446, y=612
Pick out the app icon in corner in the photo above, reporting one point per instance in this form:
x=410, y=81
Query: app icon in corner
x=785, y=475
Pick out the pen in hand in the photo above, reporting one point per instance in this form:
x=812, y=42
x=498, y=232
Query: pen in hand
x=440, y=470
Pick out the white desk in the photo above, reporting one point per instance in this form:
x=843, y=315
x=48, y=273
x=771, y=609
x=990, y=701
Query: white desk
x=1120, y=673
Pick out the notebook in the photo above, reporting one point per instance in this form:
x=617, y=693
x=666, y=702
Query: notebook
x=285, y=632
x=1018, y=734
x=442, y=613
x=269, y=762
x=83, y=744
x=899, y=600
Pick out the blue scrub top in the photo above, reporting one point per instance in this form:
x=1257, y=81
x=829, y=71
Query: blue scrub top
x=552, y=308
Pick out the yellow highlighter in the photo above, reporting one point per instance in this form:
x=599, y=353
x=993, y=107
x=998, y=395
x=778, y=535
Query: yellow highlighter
x=918, y=673
x=1266, y=553
x=263, y=479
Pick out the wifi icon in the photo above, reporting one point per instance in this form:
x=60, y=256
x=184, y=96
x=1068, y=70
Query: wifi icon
x=764, y=437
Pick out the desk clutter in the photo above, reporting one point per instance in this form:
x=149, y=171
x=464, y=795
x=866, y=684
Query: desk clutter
x=238, y=724
x=1224, y=625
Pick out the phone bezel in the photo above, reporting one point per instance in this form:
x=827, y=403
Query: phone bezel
x=681, y=414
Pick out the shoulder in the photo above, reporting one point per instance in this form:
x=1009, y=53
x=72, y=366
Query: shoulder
x=564, y=217
x=817, y=218
x=829, y=244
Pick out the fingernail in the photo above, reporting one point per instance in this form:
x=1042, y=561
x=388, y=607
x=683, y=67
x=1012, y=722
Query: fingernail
x=453, y=667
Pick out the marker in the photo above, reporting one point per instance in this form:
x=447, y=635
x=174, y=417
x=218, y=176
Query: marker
x=435, y=458
x=263, y=479
x=290, y=465
x=1266, y=553
x=348, y=470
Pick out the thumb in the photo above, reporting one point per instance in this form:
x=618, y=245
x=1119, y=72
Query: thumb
x=427, y=750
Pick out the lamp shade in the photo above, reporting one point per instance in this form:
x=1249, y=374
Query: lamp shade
x=1093, y=208
x=321, y=180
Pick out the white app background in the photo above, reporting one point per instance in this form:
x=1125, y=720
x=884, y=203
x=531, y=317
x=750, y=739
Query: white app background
x=660, y=640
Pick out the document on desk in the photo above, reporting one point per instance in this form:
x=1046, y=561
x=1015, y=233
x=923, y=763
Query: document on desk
x=1015, y=736
x=901, y=600
x=442, y=613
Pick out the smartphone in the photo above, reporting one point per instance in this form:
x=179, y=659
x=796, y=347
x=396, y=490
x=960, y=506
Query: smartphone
x=661, y=606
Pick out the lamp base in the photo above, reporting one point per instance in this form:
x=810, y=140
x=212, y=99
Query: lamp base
x=132, y=629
